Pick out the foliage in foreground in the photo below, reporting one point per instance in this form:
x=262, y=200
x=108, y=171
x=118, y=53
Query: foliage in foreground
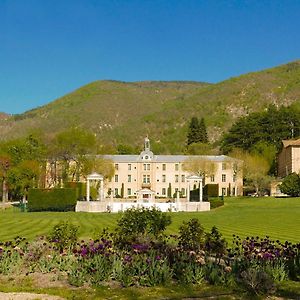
x=193, y=257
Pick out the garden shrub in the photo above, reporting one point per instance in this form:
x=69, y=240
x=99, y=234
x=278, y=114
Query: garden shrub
x=191, y=235
x=64, y=235
x=291, y=185
x=141, y=225
x=257, y=282
x=52, y=199
x=216, y=202
x=214, y=243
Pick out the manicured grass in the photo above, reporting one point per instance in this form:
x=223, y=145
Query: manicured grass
x=277, y=218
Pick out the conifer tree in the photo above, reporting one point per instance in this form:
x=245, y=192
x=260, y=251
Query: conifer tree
x=203, y=137
x=193, y=131
x=197, y=132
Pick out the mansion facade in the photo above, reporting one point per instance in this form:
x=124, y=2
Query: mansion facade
x=289, y=158
x=164, y=176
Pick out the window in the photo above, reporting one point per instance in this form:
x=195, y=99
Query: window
x=182, y=178
x=234, y=178
x=129, y=167
x=146, y=178
x=176, y=167
x=223, y=166
x=164, y=178
x=176, y=178
x=164, y=167
x=163, y=191
x=117, y=166
x=129, y=192
x=182, y=191
x=116, y=178
x=129, y=178
x=146, y=167
x=212, y=178
x=223, y=177
x=116, y=192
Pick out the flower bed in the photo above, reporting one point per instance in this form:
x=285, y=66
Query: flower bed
x=138, y=253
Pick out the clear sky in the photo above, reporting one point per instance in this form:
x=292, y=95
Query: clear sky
x=51, y=47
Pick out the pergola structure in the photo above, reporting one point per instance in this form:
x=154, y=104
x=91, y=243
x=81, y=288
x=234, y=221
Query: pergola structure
x=194, y=179
x=94, y=177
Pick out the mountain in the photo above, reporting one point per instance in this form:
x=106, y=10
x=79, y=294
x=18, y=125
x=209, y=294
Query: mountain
x=122, y=112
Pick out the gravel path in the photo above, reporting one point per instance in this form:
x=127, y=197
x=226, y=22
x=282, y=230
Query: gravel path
x=27, y=296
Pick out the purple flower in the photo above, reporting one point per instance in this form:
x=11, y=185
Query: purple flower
x=140, y=247
x=84, y=251
x=127, y=258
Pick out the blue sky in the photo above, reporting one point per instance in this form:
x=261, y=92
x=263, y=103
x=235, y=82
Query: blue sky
x=49, y=48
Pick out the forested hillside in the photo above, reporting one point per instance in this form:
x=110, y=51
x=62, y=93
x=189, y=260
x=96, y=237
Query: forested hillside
x=123, y=113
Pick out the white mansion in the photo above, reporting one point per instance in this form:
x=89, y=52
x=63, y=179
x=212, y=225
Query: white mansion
x=149, y=176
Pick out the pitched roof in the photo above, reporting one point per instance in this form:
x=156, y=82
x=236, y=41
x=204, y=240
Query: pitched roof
x=168, y=158
x=288, y=143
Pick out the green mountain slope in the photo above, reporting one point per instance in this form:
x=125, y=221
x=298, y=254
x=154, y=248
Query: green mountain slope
x=120, y=112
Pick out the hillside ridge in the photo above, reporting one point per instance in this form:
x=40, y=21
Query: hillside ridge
x=124, y=112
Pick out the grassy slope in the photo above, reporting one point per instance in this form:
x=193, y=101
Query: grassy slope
x=278, y=218
x=124, y=112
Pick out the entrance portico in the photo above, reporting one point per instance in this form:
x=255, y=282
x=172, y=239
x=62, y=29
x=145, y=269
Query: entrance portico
x=145, y=195
x=194, y=179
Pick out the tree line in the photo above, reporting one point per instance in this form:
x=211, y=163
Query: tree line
x=34, y=161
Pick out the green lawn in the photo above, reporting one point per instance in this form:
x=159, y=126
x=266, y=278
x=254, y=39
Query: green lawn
x=278, y=218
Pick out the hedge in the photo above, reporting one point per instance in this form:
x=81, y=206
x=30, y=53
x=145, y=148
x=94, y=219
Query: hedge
x=52, y=199
x=81, y=190
x=211, y=190
x=216, y=202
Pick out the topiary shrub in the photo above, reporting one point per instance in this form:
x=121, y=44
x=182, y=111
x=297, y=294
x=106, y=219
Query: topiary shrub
x=52, y=199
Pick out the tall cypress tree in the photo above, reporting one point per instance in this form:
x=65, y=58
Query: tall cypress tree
x=203, y=137
x=193, y=131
